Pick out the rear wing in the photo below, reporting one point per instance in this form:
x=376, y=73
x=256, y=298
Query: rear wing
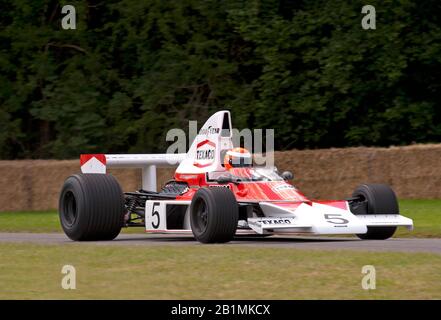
x=98, y=163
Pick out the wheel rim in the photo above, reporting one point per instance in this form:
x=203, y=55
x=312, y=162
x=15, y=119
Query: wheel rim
x=69, y=208
x=200, y=216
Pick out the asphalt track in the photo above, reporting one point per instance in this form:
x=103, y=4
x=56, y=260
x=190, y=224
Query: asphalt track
x=294, y=242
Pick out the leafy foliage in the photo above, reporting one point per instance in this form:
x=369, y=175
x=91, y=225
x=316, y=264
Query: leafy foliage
x=134, y=69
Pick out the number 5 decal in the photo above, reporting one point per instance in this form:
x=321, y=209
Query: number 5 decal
x=336, y=217
x=155, y=213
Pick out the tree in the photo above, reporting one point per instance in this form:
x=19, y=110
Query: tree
x=134, y=69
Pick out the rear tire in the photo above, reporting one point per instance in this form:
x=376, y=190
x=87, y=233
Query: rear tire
x=91, y=207
x=213, y=215
x=376, y=199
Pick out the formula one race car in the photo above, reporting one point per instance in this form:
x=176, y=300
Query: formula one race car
x=216, y=193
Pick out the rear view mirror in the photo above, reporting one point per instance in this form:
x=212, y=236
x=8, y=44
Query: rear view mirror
x=287, y=175
x=224, y=179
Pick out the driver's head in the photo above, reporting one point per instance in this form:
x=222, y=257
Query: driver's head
x=237, y=158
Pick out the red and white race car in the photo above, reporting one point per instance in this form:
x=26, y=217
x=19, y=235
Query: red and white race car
x=216, y=193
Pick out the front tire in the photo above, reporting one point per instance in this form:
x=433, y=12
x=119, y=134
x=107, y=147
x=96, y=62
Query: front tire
x=375, y=199
x=91, y=207
x=213, y=215
x=378, y=233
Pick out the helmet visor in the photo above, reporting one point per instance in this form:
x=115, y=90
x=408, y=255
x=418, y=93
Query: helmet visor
x=240, y=162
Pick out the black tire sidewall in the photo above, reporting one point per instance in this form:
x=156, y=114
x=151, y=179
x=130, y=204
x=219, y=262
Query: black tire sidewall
x=73, y=231
x=222, y=215
x=202, y=195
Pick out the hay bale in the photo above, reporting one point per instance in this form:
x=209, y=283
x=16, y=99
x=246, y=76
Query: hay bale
x=413, y=171
x=30, y=185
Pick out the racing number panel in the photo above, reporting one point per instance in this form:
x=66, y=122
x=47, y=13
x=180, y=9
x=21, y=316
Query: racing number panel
x=164, y=215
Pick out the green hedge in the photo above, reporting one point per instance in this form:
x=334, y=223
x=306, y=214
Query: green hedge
x=134, y=69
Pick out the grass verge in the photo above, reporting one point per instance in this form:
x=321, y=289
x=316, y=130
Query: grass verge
x=212, y=272
x=426, y=215
x=38, y=222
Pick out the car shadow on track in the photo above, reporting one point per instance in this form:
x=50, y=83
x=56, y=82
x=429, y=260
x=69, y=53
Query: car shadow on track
x=237, y=239
x=273, y=239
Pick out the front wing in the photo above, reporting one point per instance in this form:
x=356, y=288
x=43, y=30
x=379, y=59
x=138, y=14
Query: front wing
x=319, y=218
